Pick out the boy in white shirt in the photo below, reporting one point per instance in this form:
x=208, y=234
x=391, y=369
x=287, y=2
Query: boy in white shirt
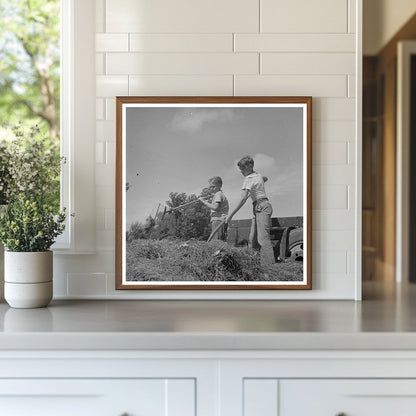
x=253, y=186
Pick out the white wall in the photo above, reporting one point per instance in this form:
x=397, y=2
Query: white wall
x=233, y=47
x=381, y=20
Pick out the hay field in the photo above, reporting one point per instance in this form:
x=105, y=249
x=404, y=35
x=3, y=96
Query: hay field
x=173, y=260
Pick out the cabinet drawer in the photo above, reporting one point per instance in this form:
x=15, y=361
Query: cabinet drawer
x=86, y=397
x=348, y=397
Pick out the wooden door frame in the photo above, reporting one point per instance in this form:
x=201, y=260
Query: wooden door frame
x=404, y=50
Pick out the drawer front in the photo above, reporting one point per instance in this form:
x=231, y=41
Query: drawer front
x=115, y=397
x=347, y=397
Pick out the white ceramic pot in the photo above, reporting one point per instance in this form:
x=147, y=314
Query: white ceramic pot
x=28, y=279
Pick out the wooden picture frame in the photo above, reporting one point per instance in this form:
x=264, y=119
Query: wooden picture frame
x=167, y=148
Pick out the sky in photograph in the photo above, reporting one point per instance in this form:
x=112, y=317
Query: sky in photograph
x=177, y=149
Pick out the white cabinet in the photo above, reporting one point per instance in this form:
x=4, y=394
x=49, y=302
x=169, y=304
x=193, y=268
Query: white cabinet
x=349, y=397
x=207, y=383
x=86, y=397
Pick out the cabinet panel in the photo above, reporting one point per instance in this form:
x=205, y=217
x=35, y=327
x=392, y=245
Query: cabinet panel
x=115, y=397
x=260, y=397
x=349, y=397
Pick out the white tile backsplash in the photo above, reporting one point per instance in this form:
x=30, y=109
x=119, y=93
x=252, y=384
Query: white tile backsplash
x=110, y=109
x=181, y=42
x=307, y=63
x=330, y=196
x=100, y=109
x=330, y=153
x=182, y=16
x=311, y=85
x=86, y=284
x=111, y=86
x=100, y=157
x=327, y=241
x=294, y=42
x=181, y=85
x=323, y=130
x=106, y=130
x=300, y=16
x=186, y=47
x=329, y=262
x=333, y=174
x=112, y=42
x=332, y=220
x=351, y=86
x=100, y=64
x=334, y=109
x=182, y=63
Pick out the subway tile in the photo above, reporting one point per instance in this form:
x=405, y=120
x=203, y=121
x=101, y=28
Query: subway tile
x=111, y=86
x=105, y=240
x=181, y=42
x=351, y=86
x=300, y=16
x=105, y=196
x=333, y=220
x=99, y=109
x=329, y=262
x=182, y=63
x=110, y=153
x=86, y=284
x=181, y=85
x=351, y=197
x=307, y=63
x=330, y=153
x=309, y=85
x=100, y=156
x=105, y=175
x=110, y=109
x=109, y=219
x=326, y=241
x=111, y=284
x=339, y=286
x=99, y=64
x=100, y=15
x=60, y=284
x=351, y=153
x=99, y=262
x=330, y=197
x=294, y=42
x=112, y=42
x=333, y=130
x=182, y=16
x=100, y=219
x=339, y=109
x=351, y=257
x=105, y=131
x=333, y=175
x=352, y=16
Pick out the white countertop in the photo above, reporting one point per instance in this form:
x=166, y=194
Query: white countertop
x=383, y=320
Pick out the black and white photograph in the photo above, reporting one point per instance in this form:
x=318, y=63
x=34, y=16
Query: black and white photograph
x=213, y=193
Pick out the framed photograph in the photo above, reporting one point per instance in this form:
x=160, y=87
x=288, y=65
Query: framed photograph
x=213, y=193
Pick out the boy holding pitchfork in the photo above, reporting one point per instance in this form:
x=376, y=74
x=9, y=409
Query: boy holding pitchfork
x=219, y=208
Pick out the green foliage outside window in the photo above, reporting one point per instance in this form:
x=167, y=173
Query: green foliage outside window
x=30, y=84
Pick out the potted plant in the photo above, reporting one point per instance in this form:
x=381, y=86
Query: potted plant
x=28, y=229
x=32, y=219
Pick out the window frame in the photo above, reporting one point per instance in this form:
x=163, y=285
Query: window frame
x=78, y=126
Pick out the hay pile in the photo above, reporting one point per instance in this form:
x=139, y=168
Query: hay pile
x=173, y=260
